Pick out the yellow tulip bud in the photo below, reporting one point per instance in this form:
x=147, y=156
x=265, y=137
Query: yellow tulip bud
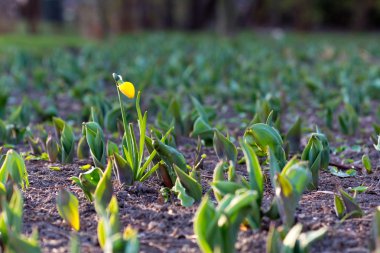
x=128, y=89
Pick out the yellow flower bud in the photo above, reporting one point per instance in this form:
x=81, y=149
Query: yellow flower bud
x=128, y=89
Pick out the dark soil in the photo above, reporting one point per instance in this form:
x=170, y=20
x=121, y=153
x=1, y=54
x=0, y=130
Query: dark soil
x=168, y=227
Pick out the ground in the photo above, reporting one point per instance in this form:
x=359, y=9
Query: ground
x=167, y=226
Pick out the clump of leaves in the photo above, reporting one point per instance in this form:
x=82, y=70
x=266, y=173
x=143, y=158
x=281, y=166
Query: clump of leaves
x=292, y=240
x=104, y=190
x=367, y=163
x=346, y=206
x=187, y=187
x=95, y=140
x=11, y=227
x=14, y=169
x=109, y=236
x=374, y=244
x=290, y=183
x=293, y=137
x=88, y=181
x=263, y=138
x=83, y=149
x=66, y=135
x=52, y=149
x=132, y=166
x=216, y=228
x=348, y=120
x=255, y=176
x=202, y=127
x=67, y=205
x=224, y=148
x=317, y=152
x=35, y=145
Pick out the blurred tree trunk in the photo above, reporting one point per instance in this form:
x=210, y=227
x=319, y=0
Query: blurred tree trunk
x=226, y=14
x=303, y=14
x=101, y=12
x=361, y=9
x=195, y=14
x=169, y=9
x=30, y=10
x=8, y=15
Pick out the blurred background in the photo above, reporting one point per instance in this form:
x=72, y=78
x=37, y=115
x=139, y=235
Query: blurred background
x=101, y=19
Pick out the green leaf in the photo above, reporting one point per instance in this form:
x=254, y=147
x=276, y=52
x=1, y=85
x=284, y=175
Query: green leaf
x=67, y=144
x=95, y=140
x=74, y=245
x=185, y=199
x=338, y=206
x=223, y=188
x=85, y=167
x=203, y=226
x=274, y=243
x=224, y=148
x=374, y=244
x=193, y=188
x=255, y=173
x=350, y=205
x=291, y=237
x=339, y=173
x=14, y=168
x=82, y=148
x=202, y=129
x=67, y=205
x=123, y=171
x=20, y=243
x=88, y=181
x=367, y=164
x=305, y=239
x=170, y=155
x=52, y=149
x=104, y=190
x=200, y=109
x=293, y=137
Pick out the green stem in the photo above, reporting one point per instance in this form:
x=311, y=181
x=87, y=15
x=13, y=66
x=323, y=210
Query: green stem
x=122, y=109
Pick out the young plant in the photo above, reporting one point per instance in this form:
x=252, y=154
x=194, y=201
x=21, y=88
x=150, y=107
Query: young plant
x=374, y=244
x=52, y=149
x=109, y=236
x=349, y=120
x=67, y=205
x=35, y=145
x=216, y=228
x=367, y=164
x=14, y=169
x=66, y=135
x=289, y=186
x=132, y=164
x=293, y=137
x=264, y=138
x=317, y=152
x=224, y=148
x=11, y=227
x=169, y=156
x=83, y=151
x=189, y=190
x=95, y=140
x=292, y=241
x=88, y=181
x=346, y=206
x=255, y=176
x=104, y=190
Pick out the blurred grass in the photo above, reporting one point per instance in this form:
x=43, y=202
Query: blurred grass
x=41, y=42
